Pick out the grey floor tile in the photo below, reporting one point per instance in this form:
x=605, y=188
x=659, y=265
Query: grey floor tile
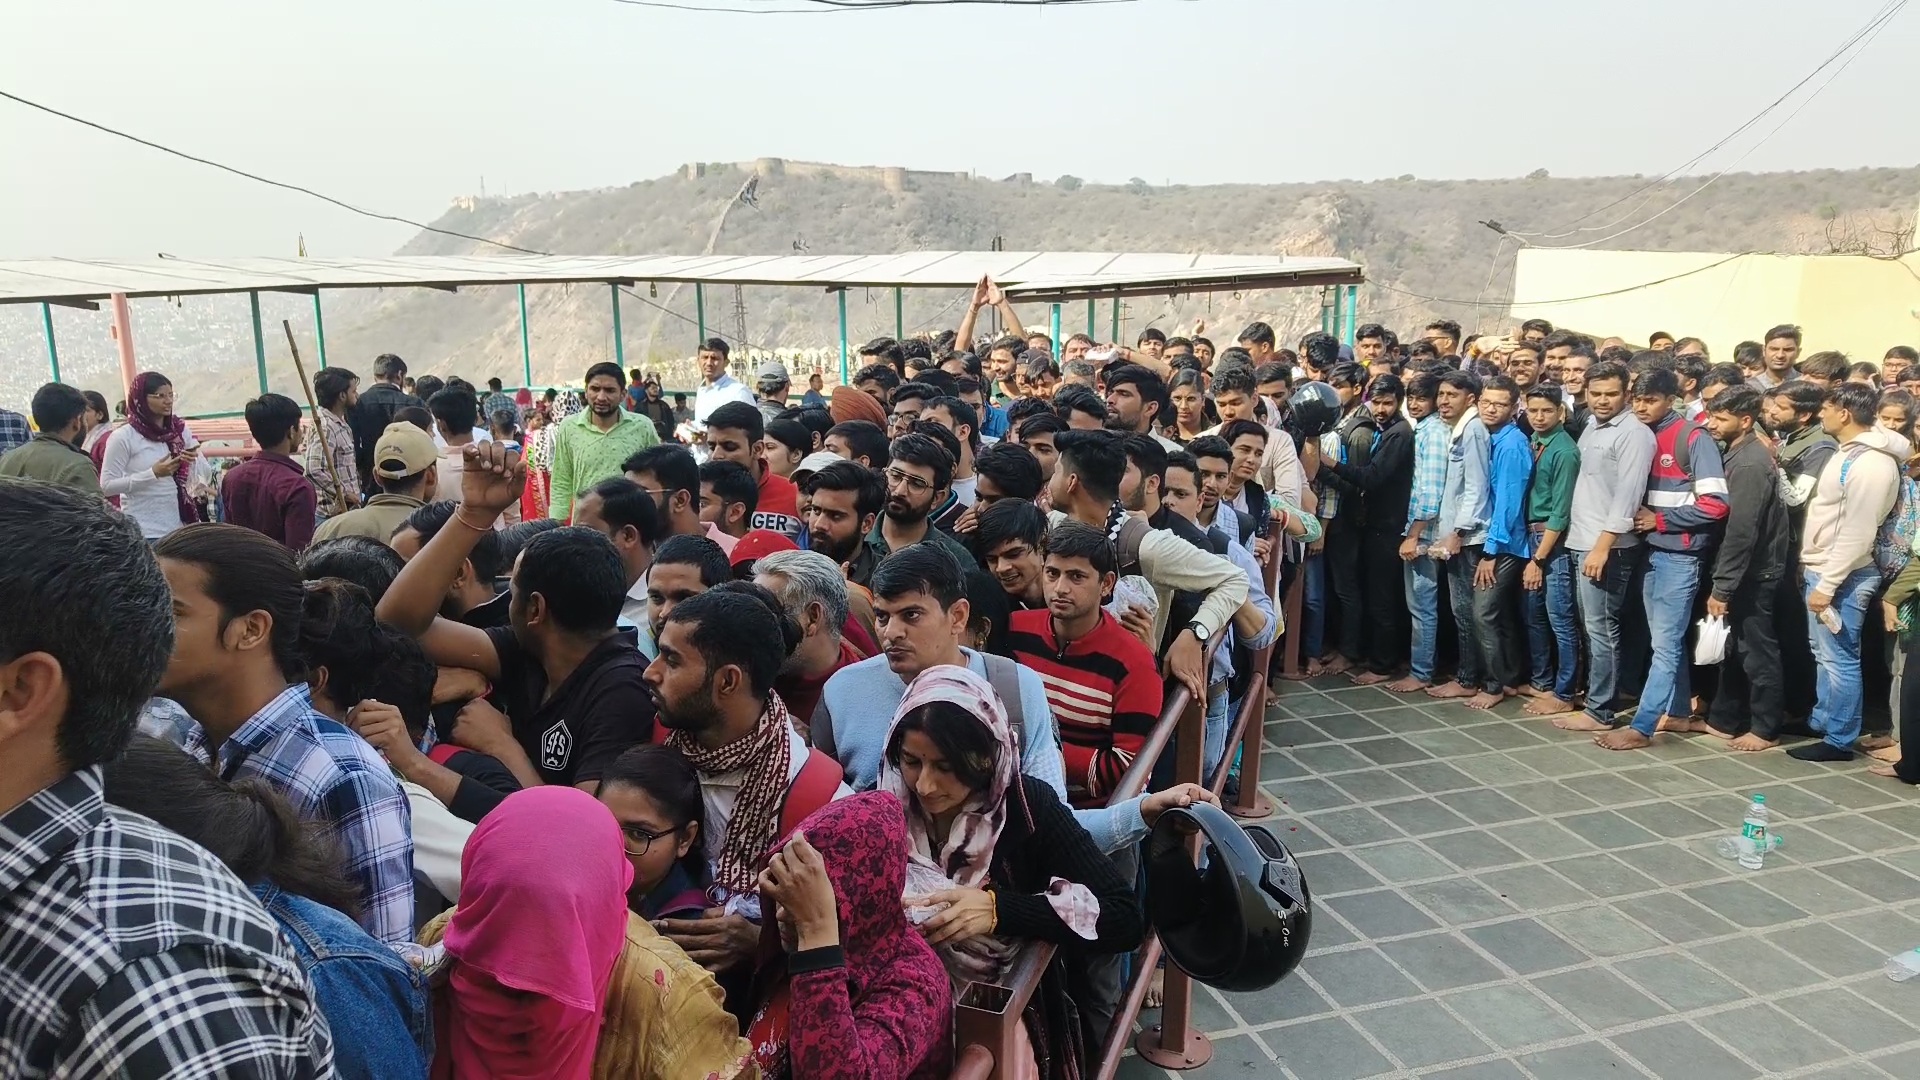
x=1294, y=733
x=1279, y=767
x=1547, y=797
x=1420, y=1033
x=1331, y=1048
x=1308, y=794
x=1789, y=802
x=1309, y=706
x=1330, y=932
x=1355, y=826
x=1373, y=785
x=1681, y=981
x=1346, y=727
x=1446, y=743
x=1506, y=736
x=1852, y=792
x=1484, y=807
x=1292, y=999
x=1672, y=780
x=1541, y=839
x=1896, y=998
x=1533, y=888
x=1607, y=788
x=1730, y=773
x=1367, y=698
x=1496, y=769
x=1602, y=931
x=1443, y=961
x=1420, y=817
x=1770, y=1038
x=1432, y=776
x=1681, y=1050
x=1825, y=949
x=1209, y=1013
x=1675, y=917
x=1848, y=1019
x=1745, y=903
x=1673, y=822
x=1403, y=861
x=1905, y=819
x=1525, y=946
x=1238, y=1057
x=1474, y=850
x=1581, y=1061
x=1404, y=719
x=1392, y=750
x=1863, y=834
x=1671, y=864
x=1904, y=1064
x=1603, y=875
x=1358, y=977
x=1807, y=847
x=1382, y=913
x=1762, y=968
x=1330, y=873
x=1607, y=829
x=1553, y=761
x=1599, y=998
x=1510, y=1016
x=1875, y=878
x=1329, y=758
x=1485, y=1070
x=1459, y=901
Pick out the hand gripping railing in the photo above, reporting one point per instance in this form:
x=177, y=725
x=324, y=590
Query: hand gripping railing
x=987, y=1016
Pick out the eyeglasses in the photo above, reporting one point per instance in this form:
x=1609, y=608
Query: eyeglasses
x=914, y=483
x=636, y=835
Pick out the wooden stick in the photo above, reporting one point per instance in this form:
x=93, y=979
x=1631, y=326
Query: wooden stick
x=340, y=504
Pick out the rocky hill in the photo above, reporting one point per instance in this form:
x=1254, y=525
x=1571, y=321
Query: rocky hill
x=1421, y=236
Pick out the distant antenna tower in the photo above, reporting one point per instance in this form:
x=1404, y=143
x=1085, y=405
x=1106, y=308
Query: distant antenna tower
x=740, y=315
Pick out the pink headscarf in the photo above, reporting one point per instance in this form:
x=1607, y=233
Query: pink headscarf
x=541, y=922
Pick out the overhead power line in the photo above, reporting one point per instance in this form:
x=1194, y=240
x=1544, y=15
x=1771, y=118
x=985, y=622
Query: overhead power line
x=323, y=197
x=828, y=7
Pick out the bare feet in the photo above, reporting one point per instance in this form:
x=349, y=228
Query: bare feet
x=1885, y=753
x=1681, y=724
x=1336, y=666
x=1156, y=991
x=1532, y=691
x=1486, y=699
x=1547, y=706
x=1750, y=743
x=1370, y=678
x=1622, y=739
x=1879, y=769
x=1451, y=690
x=1580, y=721
x=1874, y=742
x=1407, y=685
x=1718, y=734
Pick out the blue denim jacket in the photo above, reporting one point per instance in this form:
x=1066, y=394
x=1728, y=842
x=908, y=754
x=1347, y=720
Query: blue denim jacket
x=375, y=1002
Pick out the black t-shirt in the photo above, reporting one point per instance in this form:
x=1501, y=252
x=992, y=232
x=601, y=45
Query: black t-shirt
x=601, y=710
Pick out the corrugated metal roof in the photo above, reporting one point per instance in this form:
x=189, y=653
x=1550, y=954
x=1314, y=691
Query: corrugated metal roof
x=1026, y=275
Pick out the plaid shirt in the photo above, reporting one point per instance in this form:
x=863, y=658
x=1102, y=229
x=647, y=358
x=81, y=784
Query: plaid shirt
x=1432, y=439
x=337, y=439
x=130, y=952
x=14, y=431
x=333, y=776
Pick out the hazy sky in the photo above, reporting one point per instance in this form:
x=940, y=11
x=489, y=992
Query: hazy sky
x=400, y=105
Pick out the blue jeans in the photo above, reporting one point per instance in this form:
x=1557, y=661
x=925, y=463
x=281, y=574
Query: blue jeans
x=1423, y=603
x=1551, y=628
x=1313, y=608
x=1600, y=604
x=1471, y=671
x=1672, y=579
x=1215, y=746
x=1836, y=709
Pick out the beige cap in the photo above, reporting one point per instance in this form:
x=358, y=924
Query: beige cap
x=816, y=461
x=403, y=450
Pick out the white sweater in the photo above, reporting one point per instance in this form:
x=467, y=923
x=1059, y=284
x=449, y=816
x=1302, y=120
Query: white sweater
x=126, y=470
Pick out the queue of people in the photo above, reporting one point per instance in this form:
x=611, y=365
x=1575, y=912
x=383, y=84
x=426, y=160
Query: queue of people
x=576, y=738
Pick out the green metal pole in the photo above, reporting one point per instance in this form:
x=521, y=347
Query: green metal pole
x=1089, y=317
x=319, y=330
x=259, y=340
x=899, y=315
x=53, y=351
x=619, y=343
x=1056, y=330
x=700, y=310
x=843, y=339
x=1326, y=313
x=526, y=345
x=1116, y=322
x=1353, y=312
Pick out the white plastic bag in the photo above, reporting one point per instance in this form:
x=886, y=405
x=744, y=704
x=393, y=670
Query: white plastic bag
x=1710, y=645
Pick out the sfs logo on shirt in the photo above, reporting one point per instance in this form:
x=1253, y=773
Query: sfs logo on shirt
x=556, y=747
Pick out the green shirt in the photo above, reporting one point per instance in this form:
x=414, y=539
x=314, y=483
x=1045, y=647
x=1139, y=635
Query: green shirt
x=877, y=543
x=583, y=455
x=1556, y=462
x=46, y=457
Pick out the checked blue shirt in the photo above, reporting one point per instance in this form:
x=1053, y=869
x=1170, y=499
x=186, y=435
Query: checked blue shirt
x=1431, y=440
x=334, y=777
x=14, y=431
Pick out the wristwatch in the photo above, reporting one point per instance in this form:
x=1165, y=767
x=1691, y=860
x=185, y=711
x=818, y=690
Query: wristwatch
x=1199, y=631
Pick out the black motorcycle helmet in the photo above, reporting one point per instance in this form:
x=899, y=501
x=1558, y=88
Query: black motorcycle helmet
x=1240, y=923
x=1315, y=409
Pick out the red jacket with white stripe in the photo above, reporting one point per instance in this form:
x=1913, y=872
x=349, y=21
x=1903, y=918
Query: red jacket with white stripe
x=1104, y=690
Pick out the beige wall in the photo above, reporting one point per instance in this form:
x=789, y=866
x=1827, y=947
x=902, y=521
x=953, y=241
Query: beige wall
x=1857, y=305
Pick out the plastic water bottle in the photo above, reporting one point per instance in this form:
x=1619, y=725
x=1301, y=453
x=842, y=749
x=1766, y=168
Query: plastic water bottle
x=1904, y=966
x=1738, y=847
x=1754, y=830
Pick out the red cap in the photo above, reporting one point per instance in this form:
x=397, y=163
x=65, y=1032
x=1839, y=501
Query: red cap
x=760, y=542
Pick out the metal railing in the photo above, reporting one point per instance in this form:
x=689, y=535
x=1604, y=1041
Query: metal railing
x=987, y=1016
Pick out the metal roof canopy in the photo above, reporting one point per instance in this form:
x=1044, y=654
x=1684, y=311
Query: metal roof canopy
x=1034, y=277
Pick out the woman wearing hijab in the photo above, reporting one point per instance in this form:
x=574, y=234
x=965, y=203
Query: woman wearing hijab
x=547, y=975
x=851, y=992
x=995, y=858
x=148, y=465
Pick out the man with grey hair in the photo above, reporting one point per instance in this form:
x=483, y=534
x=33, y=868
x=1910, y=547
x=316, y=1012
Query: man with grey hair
x=814, y=592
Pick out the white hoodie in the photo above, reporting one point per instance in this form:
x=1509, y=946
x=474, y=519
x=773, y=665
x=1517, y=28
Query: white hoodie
x=1843, y=519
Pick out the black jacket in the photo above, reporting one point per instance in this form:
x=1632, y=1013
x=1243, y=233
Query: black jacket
x=369, y=418
x=1754, y=547
x=1041, y=841
x=1386, y=477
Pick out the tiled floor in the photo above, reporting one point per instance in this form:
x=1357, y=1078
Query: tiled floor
x=1497, y=899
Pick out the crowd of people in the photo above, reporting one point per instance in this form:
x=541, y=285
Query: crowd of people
x=459, y=733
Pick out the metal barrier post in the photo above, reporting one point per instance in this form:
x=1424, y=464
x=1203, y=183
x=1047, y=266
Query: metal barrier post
x=1250, y=802
x=1172, y=1044
x=319, y=331
x=53, y=350
x=619, y=342
x=259, y=340
x=526, y=345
